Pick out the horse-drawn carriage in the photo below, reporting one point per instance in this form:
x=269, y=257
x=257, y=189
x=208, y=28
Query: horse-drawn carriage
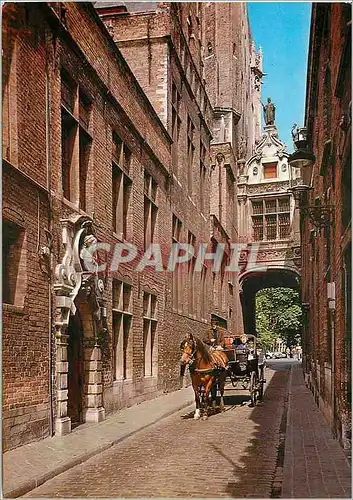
x=242, y=361
x=246, y=363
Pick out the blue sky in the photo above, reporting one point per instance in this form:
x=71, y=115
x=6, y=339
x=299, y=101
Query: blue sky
x=282, y=29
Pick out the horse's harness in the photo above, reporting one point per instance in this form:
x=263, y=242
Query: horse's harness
x=192, y=361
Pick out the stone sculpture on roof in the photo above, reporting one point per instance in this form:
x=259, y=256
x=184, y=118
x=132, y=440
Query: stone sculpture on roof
x=269, y=112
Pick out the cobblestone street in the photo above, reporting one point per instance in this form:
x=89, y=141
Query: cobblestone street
x=232, y=454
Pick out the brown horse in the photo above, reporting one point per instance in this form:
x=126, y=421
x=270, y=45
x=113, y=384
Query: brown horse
x=207, y=369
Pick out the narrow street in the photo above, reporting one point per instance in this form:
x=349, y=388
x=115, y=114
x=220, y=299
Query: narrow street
x=232, y=454
x=172, y=200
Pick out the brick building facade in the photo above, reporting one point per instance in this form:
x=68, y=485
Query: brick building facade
x=112, y=144
x=326, y=273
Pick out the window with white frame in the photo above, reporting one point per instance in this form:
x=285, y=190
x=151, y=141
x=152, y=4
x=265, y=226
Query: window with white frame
x=149, y=334
x=122, y=316
x=271, y=219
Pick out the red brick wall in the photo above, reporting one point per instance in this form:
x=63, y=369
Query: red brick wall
x=327, y=116
x=25, y=335
x=119, y=105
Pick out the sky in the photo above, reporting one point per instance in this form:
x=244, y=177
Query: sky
x=282, y=30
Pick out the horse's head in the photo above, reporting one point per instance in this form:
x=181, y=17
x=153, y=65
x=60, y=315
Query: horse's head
x=188, y=347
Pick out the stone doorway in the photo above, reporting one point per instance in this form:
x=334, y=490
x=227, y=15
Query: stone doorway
x=75, y=382
x=80, y=318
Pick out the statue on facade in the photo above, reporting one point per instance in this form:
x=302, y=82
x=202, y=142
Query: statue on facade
x=87, y=253
x=269, y=112
x=92, y=284
x=294, y=132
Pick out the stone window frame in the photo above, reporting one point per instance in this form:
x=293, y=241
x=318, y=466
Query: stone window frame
x=150, y=342
x=121, y=187
x=9, y=101
x=122, y=321
x=176, y=125
x=177, y=227
x=14, y=272
x=150, y=208
x=263, y=214
x=76, y=140
x=203, y=289
x=203, y=171
x=190, y=153
x=191, y=277
x=267, y=166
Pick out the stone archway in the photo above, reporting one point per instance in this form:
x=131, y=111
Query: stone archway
x=257, y=279
x=78, y=290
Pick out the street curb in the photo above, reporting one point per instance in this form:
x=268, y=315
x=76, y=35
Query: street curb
x=277, y=481
x=34, y=483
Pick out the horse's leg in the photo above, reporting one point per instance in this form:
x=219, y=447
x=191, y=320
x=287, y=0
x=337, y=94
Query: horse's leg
x=197, y=413
x=222, y=383
x=204, y=402
x=214, y=395
x=207, y=390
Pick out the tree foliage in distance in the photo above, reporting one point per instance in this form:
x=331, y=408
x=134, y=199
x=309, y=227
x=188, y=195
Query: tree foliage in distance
x=278, y=315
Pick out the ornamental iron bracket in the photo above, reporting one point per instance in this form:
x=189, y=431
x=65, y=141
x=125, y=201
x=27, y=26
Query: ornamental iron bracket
x=319, y=215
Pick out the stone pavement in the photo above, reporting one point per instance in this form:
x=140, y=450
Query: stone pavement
x=232, y=454
x=281, y=448
x=27, y=467
x=315, y=465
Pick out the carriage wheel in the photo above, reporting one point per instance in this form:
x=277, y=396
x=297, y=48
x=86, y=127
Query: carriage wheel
x=261, y=384
x=253, y=388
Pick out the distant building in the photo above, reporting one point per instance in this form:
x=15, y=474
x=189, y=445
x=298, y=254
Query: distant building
x=267, y=218
x=209, y=62
x=327, y=250
x=112, y=144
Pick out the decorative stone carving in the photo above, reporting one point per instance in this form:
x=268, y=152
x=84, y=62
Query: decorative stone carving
x=270, y=255
x=272, y=187
x=257, y=60
x=255, y=170
x=289, y=255
x=257, y=83
x=220, y=158
x=242, y=147
x=269, y=138
x=76, y=274
x=284, y=167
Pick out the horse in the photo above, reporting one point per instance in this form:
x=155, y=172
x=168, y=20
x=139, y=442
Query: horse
x=207, y=369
